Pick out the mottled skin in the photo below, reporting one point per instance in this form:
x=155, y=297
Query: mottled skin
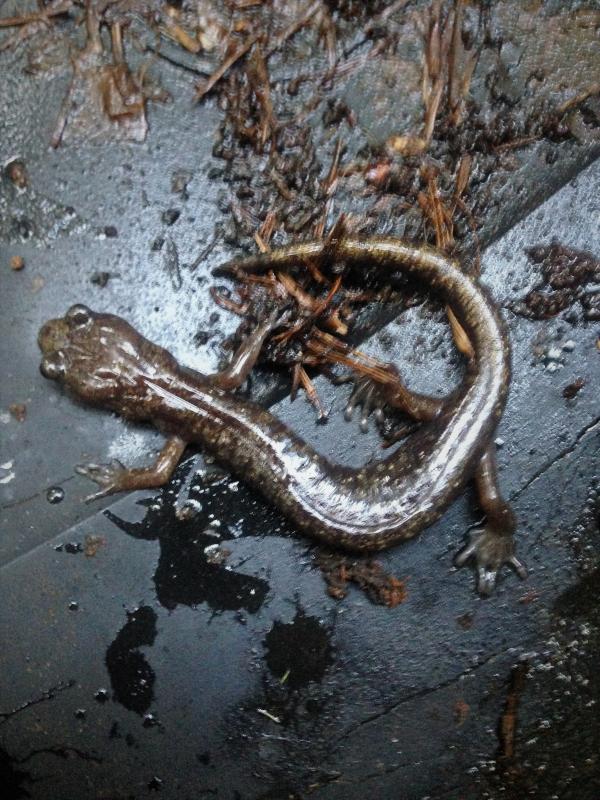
x=102, y=360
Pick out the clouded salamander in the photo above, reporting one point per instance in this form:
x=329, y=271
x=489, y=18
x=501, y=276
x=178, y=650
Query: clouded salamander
x=103, y=361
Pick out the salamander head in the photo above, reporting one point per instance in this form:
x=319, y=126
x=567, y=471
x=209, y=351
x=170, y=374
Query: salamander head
x=101, y=358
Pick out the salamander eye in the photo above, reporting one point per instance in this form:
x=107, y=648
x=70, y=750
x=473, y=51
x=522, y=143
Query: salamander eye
x=79, y=315
x=53, y=367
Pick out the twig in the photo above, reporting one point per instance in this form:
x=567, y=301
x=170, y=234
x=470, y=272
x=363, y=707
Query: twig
x=579, y=98
x=508, y=721
x=268, y=715
x=385, y=14
x=117, y=43
x=63, y=114
x=174, y=31
x=258, y=75
x=311, y=393
x=38, y=16
x=300, y=21
x=515, y=143
x=224, y=67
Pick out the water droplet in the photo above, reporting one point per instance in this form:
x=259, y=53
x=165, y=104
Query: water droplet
x=55, y=494
x=102, y=695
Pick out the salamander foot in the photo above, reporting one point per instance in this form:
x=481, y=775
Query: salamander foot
x=491, y=550
x=367, y=396
x=108, y=476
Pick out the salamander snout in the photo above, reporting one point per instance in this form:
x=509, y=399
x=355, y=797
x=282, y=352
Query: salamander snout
x=100, y=357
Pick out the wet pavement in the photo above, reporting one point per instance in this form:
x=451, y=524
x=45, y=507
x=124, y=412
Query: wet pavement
x=182, y=642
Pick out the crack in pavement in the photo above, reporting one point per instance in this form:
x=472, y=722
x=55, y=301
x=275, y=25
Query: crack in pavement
x=427, y=691
x=40, y=493
x=49, y=694
x=558, y=457
x=61, y=752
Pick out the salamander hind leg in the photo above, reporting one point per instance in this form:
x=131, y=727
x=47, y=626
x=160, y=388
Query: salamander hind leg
x=493, y=545
x=366, y=396
x=380, y=389
x=491, y=550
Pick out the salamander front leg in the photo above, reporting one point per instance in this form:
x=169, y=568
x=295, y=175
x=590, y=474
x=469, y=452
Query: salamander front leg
x=114, y=477
x=493, y=545
x=236, y=373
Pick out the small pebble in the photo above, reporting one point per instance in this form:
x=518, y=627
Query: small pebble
x=572, y=390
x=569, y=346
x=553, y=354
x=100, y=278
x=499, y=442
x=17, y=263
x=18, y=411
x=16, y=172
x=170, y=216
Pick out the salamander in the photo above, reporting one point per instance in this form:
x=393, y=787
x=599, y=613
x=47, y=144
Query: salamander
x=104, y=361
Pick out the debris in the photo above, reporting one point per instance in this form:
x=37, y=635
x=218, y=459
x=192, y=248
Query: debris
x=170, y=28
x=530, y=596
x=228, y=62
x=7, y=474
x=102, y=278
x=379, y=586
x=285, y=676
x=170, y=216
x=301, y=20
x=171, y=263
x=216, y=554
x=179, y=183
x=16, y=172
x=17, y=263
x=268, y=714
x=461, y=712
x=92, y=544
x=18, y=411
x=507, y=728
x=566, y=275
x=572, y=389
x=465, y=621
x=104, y=94
x=40, y=16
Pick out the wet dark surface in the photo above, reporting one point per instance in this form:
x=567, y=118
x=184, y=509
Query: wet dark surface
x=182, y=643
